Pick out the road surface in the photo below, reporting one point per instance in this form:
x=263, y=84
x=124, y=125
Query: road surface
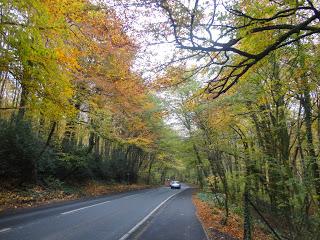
x=152, y=214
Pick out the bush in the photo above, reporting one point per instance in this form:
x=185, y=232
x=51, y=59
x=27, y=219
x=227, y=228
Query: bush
x=75, y=164
x=216, y=199
x=23, y=159
x=19, y=151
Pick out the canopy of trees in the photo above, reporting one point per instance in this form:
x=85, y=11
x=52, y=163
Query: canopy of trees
x=242, y=88
x=70, y=104
x=233, y=34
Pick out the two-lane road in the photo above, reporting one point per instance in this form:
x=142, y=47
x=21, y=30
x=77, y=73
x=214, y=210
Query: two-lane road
x=159, y=213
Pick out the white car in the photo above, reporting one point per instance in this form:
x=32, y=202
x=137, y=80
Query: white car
x=175, y=185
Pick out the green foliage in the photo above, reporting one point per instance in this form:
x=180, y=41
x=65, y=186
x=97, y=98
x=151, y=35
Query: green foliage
x=82, y=113
x=87, y=114
x=216, y=199
x=19, y=150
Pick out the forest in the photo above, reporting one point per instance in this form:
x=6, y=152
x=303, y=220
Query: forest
x=222, y=94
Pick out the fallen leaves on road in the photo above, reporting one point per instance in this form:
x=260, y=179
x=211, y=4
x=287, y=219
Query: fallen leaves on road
x=211, y=217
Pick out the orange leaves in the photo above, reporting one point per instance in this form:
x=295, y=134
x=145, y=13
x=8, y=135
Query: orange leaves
x=96, y=50
x=92, y=188
x=37, y=195
x=132, y=106
x=173, y=77
x=68, y=59
x=105, y=33
x=212, y=217
x=65, y=8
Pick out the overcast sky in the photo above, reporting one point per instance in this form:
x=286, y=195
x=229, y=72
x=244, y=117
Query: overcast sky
x=153, y=53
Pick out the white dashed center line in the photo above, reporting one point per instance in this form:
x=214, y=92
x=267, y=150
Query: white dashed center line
x=79, y=209
x=5, y=230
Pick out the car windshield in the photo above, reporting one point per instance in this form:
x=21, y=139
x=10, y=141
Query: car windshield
x=177, y=182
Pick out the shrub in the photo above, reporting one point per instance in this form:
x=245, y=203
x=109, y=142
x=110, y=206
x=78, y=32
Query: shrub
x=19, y=151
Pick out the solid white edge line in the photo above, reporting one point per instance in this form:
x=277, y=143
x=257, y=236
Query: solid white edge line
x=5, y=230
x=203, y=227
x=132, y=230
x=78, y=209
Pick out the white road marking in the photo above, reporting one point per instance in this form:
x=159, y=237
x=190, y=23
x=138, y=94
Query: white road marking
x=5, y=230
x=79, y=209
x=72, y=211
x=132, y=230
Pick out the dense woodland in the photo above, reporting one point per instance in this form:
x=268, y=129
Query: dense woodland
x=242, y=85
x=70, y=105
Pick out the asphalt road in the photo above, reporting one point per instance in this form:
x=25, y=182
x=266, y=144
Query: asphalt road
x=152, y=214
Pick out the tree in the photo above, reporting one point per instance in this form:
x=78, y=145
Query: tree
x=231, y=35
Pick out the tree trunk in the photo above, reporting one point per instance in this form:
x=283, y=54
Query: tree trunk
x=150, y=167
x=23, y=103
x=2, y=88
x=306, y=103
x=217, y=167
x=53, y=127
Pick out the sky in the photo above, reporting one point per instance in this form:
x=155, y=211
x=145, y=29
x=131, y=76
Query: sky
x=151, y=53
x=155, y=50
x=138, y=21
